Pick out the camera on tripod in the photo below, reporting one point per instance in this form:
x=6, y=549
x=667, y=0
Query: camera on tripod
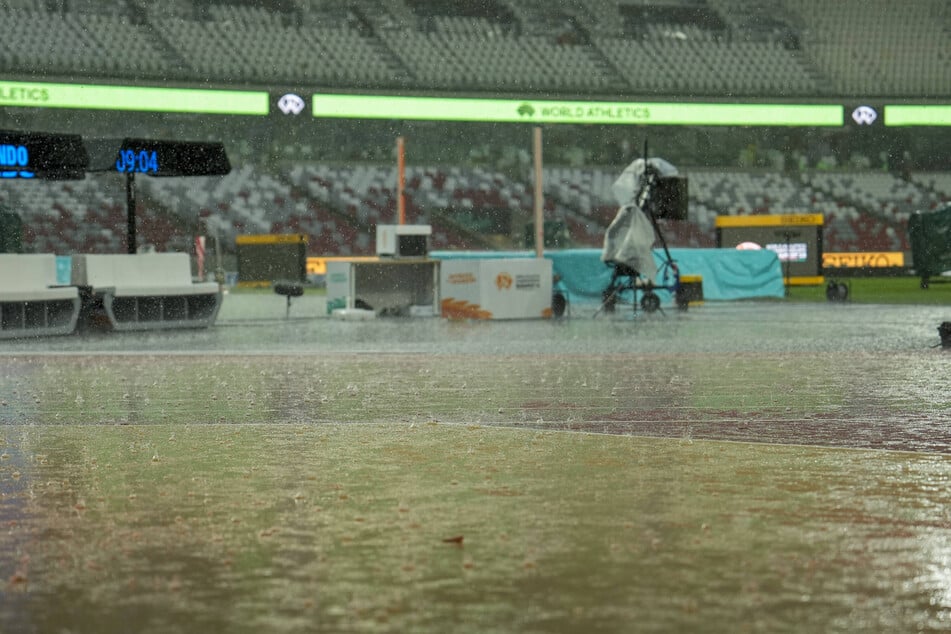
x=666, y=195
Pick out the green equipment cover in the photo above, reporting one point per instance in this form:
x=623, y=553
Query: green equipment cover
x=930, y=237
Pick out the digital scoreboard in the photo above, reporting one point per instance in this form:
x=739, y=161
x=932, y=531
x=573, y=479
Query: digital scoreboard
x=265, y=259
x=796, y=239
x=160, y=158
x=171, y=158
x=143, y=162
x=36, y=155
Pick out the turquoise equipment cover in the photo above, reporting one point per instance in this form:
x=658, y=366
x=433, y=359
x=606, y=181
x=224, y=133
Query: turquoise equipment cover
x=727, y=274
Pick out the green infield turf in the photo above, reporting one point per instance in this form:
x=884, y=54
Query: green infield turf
x=881, y=290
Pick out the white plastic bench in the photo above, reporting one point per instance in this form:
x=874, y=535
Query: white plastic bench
x=148, y=291
x=31, y=302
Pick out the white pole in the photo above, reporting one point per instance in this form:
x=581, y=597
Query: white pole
x=539, y=197
x=219, y=269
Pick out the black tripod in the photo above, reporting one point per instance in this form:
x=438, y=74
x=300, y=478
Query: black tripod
x=625, y=278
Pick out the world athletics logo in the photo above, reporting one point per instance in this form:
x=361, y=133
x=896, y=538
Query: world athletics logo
x=23, y=95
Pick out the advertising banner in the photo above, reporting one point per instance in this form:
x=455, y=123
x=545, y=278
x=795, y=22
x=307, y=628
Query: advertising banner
x=496, y=289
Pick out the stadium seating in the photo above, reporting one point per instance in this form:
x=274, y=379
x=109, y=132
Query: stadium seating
x=339, y=206
x=781, y=47
x=937, y=183
x=771, y=48
x=865, y=46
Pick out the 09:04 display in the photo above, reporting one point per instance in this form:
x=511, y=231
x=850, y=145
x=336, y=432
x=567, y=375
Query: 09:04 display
x=143, y=162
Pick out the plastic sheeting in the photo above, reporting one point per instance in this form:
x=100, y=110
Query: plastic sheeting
x=727, y=274
x=630, y=237
x=629, y=240
x=629, y=182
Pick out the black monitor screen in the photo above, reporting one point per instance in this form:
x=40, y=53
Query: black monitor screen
x=413, y=246
x=25, y=155
x=669, y=198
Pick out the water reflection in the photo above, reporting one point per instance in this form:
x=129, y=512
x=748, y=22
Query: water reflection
x=254, y=324
x=289, y=476
x=433, y=527
x=895, y=400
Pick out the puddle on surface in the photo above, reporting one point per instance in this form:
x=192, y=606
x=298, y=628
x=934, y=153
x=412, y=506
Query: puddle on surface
x=898, y=401
x=435, y=528
x=290, y=477
x=714, y=328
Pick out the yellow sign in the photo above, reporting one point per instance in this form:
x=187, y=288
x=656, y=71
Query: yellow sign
x=774, y=220
x=318, y=265
x=272, y=238
x=806, y=280
x=870, y=259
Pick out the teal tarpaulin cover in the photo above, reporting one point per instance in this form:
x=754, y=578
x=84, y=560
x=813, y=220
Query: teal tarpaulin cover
x=64, y=270
x=727, y=274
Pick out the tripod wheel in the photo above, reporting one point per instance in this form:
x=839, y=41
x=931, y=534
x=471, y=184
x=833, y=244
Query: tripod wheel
x=650, y=302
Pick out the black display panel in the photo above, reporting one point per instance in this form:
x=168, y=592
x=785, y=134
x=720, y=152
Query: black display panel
x=669, y=198
x=272, y=258
x=36, y=155
x=798, y=247
x=159, y=158
x=412, y=245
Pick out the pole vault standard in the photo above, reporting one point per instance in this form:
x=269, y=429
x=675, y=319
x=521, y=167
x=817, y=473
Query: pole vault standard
x=400, y=180
x=539, y=189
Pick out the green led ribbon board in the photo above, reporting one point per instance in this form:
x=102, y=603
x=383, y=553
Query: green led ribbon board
x=133, y=98
x=578, y=112
x=921, y=115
